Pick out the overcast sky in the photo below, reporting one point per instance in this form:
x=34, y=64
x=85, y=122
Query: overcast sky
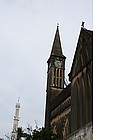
x=27, y=29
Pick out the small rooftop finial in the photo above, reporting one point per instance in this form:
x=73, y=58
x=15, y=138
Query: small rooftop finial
x=18, y=99
x=82, y=23
x=57, y=25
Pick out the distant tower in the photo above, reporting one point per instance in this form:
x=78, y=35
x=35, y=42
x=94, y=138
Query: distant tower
x=16, y=119
x=55, y=74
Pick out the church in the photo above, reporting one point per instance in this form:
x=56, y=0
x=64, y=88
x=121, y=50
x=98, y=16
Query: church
x=69, y=109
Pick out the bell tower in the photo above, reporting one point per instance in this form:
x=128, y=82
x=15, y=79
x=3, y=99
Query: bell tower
x=55, y=74
x=56, y=68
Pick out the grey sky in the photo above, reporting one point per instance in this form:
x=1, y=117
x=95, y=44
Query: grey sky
x=27, y=29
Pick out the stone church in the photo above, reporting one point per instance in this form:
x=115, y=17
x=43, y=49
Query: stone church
x=69, y=109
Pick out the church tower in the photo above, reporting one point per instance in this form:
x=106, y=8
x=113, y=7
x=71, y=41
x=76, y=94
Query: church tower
x=55, y=74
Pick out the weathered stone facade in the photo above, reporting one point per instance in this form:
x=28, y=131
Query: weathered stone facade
x=84, y=133
x=81, y=81
x=69, y=110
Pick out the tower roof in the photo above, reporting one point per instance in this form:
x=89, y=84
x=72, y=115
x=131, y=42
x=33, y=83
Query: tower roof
x=56, y=48
x=18, y=104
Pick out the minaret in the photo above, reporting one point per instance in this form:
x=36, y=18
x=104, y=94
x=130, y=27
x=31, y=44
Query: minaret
x=16, y=119
x=55, y=74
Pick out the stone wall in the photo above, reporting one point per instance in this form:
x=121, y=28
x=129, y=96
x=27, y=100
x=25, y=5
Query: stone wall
x=85, y=133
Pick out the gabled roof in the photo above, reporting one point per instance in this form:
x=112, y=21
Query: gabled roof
x=56, y=48
x=66, y=92
x=77, y=66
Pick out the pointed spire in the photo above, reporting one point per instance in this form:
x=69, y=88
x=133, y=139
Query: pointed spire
x=18, y=103
x=56, y=48
x=18, y=99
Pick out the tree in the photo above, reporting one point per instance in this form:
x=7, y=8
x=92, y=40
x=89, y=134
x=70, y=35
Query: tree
x=37, y=134
x=44, y=134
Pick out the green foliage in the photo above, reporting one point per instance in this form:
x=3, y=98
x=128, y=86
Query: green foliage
x=38, y=134
x=20, y=133
x=44, y=134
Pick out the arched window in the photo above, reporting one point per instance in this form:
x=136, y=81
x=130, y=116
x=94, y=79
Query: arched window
x=61, y=82
x=78, y=104
x=54, y=72
x=54, y=78
x=84, y=102
x=57, y=72
x=60, y=73
x=57, y=78
x=57, y=82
